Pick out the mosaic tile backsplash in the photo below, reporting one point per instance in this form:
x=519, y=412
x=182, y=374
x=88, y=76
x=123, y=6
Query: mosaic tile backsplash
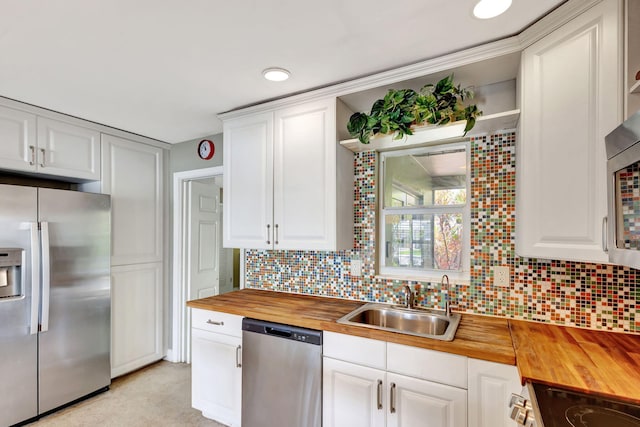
x=594, y=296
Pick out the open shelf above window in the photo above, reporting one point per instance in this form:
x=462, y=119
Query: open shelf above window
x=428, y=135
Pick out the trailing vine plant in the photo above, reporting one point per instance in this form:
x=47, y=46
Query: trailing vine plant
x=401, y=109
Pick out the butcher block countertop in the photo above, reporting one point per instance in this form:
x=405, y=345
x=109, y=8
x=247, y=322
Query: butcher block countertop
x=588, y=361
x=478, y=337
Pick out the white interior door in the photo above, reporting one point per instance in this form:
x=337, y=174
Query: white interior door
x=204, y=239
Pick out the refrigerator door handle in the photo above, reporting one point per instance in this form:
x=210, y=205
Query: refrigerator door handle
x=35, y=277
x=46, y=275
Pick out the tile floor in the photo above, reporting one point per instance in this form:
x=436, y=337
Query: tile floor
x=157, y=395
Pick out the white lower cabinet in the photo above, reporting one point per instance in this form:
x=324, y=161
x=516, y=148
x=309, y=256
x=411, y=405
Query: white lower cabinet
x=370, y=383
x=353, y=395
x=490, y=388
x=360, y=388
x=416, y=402
x=136, y=316
x=365, y=382
x=216, y=365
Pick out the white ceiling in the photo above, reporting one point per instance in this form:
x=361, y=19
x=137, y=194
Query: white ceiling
x=165, y=68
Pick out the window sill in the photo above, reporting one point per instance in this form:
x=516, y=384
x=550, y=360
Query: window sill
x=461, y=278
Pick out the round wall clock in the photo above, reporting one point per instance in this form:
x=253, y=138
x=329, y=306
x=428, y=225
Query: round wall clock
x=206, y=149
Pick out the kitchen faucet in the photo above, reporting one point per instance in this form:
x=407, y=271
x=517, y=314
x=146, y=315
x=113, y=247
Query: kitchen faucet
x=409, y=301
x=447, y=304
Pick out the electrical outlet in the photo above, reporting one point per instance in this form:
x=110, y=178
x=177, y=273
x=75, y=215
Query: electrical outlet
x=356, y=268
x=501, y=276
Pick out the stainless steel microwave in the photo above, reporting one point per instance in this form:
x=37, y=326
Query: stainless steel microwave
x=623, y=193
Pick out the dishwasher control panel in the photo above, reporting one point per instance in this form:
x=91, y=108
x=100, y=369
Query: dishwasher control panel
x=307, y=336
x=300, y=337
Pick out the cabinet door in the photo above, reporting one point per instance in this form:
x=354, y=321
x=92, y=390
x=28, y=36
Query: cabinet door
x=305, y=177
x=216, y=387
x=490, y=388
x=136, y=316
x=68, y=150
x=571, y=98
x=133, y=174
x=17, y=140
x=352, y=395
x=248, y=182
x=414, y=402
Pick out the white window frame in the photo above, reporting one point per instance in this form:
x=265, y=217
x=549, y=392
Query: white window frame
x=460, y=276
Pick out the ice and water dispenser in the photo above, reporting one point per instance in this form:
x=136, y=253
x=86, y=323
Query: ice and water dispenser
x=11, y=272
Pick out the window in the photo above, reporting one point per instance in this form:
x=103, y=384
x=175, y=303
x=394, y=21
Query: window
x=424, y=212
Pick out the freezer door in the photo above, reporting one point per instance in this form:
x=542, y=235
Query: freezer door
x=74, y=346
x=18, y=346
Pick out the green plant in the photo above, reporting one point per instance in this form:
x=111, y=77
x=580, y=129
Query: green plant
x=400, y=109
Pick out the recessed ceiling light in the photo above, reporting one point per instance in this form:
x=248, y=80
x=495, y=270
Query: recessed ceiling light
x=276, y=74
x=486, y=9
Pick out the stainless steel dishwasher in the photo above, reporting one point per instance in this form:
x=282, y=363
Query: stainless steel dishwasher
x=281, y=375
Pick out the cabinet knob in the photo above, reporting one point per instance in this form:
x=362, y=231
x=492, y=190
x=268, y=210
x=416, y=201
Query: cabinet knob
x=517, y=400
x=519, y=415
x=44, y=153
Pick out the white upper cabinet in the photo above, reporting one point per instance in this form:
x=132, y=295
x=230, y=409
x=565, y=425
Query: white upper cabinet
x=133, y=176
x=288, y=184
x=632, y=57
x=304, y=177
x=68, y=150
x=17, y=140
x=29, y=143
x=248, y=182
x=571, y=98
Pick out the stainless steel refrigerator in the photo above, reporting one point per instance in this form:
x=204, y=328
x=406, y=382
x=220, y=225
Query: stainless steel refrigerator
x=55, y=299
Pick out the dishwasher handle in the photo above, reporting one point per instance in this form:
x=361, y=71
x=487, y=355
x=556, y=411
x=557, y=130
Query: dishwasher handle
x=277, y=332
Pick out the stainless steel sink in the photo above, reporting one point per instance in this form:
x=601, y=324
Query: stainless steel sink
x=420, y=322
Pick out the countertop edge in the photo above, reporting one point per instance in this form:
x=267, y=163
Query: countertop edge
x=508, y=341
x=501, y=352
